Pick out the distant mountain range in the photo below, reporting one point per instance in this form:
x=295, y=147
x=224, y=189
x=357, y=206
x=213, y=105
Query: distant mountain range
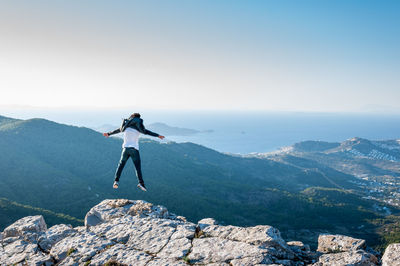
x=161, y=128
x=355, y=148
x=67, y=169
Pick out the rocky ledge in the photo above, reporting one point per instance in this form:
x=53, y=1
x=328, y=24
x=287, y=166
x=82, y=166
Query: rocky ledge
x=128, y=232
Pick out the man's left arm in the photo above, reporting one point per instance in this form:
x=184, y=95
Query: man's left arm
x=145, y=131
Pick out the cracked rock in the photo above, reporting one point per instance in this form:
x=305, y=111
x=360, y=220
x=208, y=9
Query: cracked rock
x=261, y=235
x=79, y=247
x=53, y=235
x=119, y=253
x=353, y=257
x=17, y=251
x=215, y=250
x=29, y=224
x=391, y=257
x=152, y=235
x=129, y=232
x=166, y=262
x=203, y=223
x=338, y=243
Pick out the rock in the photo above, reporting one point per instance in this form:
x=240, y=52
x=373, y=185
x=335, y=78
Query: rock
x=391, y=257
x=338, y=243
x=110, y=209
x=79, y=247
x=9, y=240
x=119, y=203
x=53, y=235
x=206, y=222
x=119, y=253
x=353, y=257
x=152, y=235
x=29, y=224
x=261, y=235
x=298, y=246
x=180, y=243
x=93, y=218
x=250, y=261
x=17, y=251
x=217, y=250
x=40, y=259
x=166, y=262
x=128, y=232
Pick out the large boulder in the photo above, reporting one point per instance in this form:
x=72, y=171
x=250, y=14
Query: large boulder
x=261, y=235
x=348, y=258
x=391, y=257
x=26, y=225
x=217, y=250
x=338, y=243
x=110, y=209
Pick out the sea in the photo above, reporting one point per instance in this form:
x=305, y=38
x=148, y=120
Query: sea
x=240, y=132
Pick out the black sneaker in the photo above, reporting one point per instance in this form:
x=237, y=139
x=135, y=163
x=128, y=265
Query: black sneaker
x=142, y=187
x=115, y=185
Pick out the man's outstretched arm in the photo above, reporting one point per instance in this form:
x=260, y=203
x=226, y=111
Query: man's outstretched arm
x=143, y=130
x=118, y=130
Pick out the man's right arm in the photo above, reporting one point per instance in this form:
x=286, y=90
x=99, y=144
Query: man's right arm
x=118, y=130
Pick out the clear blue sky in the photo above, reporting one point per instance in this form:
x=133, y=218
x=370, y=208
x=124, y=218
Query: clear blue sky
x=264, y=55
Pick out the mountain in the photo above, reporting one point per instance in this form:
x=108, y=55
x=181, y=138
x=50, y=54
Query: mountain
x=376, y=164
x=167, y=130
x=388, y=150
x=136, y=232
x=67, y=169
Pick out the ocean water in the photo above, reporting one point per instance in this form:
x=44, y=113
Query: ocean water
x=241, y=132
x=265, y=132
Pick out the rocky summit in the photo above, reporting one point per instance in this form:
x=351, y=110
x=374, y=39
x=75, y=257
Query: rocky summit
x=129, y=232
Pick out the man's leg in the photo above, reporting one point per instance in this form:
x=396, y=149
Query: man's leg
x=136, y=161
x=121, y=164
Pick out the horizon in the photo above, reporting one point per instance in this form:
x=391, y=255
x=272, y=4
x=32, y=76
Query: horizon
x=238, y=132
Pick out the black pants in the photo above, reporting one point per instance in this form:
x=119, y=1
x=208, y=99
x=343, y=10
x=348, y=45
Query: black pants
x=134, y=154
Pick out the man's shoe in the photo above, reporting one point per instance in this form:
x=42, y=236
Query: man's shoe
x=142, y=187
x=115, y=184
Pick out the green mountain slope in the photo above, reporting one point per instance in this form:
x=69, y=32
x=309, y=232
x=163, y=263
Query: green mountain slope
x=69, y=169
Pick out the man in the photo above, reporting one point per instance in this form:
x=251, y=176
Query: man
x=131, y=128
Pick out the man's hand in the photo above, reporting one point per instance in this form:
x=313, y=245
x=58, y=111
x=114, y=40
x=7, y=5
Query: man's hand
x=161, y=137
x=106, y=135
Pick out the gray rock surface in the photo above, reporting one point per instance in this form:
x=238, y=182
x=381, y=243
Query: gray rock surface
x=262, y=235
x=53, y=235
x=79, y=247
x=203, y=223
x=391, y=257
x=121, y=254
x=132, y=232
x=29, y=224
x=353, y=257
x=217, y=250
x=338, y=243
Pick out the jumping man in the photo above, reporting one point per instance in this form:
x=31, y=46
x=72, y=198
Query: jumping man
x=131, y=128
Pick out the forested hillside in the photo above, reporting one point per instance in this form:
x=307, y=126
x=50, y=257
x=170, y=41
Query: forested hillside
x=68, y=169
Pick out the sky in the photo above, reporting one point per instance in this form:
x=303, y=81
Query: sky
x=329, y=56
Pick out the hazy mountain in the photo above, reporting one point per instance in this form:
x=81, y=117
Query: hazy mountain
x=167, y=130
x=68, y=169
